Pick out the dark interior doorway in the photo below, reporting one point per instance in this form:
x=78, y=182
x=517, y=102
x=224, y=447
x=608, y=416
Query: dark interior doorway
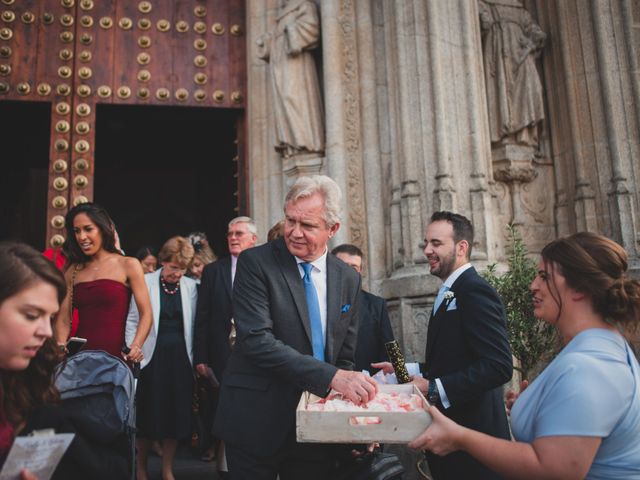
x=164, y=171
x=24, y=160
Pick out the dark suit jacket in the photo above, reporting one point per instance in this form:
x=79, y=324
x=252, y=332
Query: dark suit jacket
x=374, y=330
x=213, y=317
x=468, y=350
x=272, y=362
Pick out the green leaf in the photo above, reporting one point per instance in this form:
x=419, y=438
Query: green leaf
x=533, y=342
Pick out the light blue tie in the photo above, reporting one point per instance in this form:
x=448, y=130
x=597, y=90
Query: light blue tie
x=439, y=298
x=317, y=338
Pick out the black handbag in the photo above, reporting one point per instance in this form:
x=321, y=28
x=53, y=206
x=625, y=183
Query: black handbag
x=375, y=465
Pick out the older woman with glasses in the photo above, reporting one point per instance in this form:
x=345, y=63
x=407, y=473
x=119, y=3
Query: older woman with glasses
x=166, y=380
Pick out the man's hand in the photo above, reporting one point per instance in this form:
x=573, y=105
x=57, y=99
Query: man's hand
x=421, y=383
x=386, y=367
x=201, y=369
x=355, y=386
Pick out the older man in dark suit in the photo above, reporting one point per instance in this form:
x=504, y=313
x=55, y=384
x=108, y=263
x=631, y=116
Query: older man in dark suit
x=296, y=311
x=213, y=315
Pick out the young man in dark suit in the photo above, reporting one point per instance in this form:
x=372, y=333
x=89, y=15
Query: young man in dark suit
x=296, y=311
x=374, y=327
x=468, y=357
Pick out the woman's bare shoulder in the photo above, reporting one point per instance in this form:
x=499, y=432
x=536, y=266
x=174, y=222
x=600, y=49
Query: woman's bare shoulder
x=131, y=265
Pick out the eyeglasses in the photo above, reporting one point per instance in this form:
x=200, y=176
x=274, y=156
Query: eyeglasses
x=236, y=234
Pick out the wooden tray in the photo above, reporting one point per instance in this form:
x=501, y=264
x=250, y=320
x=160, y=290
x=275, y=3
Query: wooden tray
x=339, y=427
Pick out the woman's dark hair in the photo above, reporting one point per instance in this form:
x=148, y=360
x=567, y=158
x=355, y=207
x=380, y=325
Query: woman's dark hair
x=22, y=391
x=144, y=252
x=25, y=390
x=22, y=265
x=101, y=218
x=596, y=266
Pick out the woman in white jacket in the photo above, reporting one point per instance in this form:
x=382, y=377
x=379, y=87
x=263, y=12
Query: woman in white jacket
x=166, y=380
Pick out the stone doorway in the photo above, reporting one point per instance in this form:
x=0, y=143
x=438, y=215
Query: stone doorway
x=164, y=171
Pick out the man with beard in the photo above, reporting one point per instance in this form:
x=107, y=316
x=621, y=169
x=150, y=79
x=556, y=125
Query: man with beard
x=468, y=358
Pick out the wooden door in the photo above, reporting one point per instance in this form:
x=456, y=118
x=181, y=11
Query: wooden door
x=78, y=54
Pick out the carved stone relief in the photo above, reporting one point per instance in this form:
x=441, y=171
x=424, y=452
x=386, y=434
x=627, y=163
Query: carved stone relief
x=353, y=147
x=297, y=101
x=511, y=43
x=415, y=345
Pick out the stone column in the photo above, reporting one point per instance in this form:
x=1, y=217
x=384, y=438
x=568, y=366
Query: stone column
x=435, y=111
x=592, y=80
x=265, y=167
x=344, y=147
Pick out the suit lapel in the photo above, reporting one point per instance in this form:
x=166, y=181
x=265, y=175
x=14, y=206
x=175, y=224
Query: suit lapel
x=154, y=294
x=334, y=295
x=291, y=274
x=438, y=318
x=186, y=310
x=226, y=275
x=435, y=323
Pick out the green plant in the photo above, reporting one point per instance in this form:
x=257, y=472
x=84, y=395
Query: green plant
x=532, y=341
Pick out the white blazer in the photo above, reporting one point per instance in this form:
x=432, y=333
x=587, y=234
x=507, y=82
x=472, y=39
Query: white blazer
x=189, y=297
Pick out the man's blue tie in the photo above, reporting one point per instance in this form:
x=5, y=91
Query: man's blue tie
x=439, y=298
x=317, y=338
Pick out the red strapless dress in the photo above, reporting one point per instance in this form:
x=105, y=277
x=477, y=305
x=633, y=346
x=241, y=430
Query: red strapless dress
x=102, y=312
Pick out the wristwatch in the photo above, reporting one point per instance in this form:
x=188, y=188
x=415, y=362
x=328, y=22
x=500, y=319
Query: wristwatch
x=433, y=395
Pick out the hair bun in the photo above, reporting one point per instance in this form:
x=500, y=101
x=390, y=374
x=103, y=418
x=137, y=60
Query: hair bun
x=622, y=295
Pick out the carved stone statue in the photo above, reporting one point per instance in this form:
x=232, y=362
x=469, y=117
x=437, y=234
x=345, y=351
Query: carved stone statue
x=294, y=79
x=511, y=42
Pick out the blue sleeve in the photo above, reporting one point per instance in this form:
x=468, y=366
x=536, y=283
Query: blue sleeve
x=587, y=397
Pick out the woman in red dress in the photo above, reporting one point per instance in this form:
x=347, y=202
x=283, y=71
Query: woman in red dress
x=101, y=281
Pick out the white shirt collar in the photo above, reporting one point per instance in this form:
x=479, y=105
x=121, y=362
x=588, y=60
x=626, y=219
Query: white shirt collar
x=455, y=274
x=319, y=263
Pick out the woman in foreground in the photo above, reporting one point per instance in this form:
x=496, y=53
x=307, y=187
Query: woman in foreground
x=581, y=417
x=31, y=289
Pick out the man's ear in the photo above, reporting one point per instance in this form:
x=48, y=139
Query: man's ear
x=334, y=229
x=462, y=249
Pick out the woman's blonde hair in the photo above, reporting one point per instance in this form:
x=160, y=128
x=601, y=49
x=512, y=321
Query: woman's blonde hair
x=205, y=255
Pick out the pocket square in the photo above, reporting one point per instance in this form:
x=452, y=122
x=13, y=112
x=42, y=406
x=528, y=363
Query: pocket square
x=345, y=308
x=452, y=305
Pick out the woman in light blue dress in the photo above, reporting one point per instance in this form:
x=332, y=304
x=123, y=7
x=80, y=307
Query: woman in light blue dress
x=581, y=417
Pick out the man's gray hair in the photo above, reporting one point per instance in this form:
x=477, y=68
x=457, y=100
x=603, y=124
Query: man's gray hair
x=251, y=225
x=328, y=189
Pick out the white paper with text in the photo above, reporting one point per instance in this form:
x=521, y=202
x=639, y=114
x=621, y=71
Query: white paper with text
x=40, y=454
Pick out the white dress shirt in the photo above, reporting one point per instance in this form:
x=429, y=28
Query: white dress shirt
x=234, y=262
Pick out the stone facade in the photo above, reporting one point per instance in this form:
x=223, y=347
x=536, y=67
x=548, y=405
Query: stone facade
x=408, y=133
